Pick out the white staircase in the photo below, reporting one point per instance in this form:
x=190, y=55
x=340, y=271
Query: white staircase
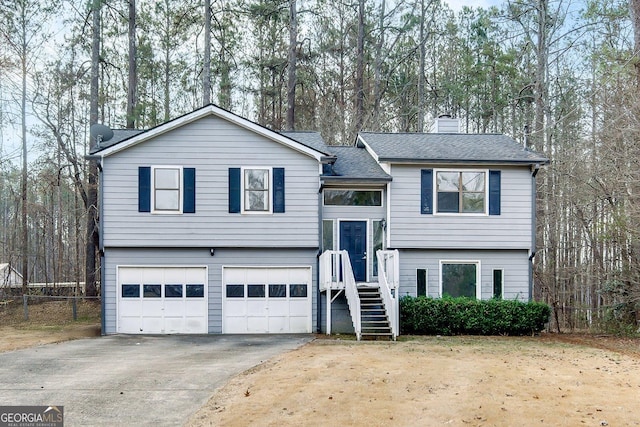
x=373, y=306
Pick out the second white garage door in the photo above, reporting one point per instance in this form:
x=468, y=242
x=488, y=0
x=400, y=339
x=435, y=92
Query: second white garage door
x=266, y=300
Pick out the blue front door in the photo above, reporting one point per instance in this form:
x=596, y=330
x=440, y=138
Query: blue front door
x=353, y=239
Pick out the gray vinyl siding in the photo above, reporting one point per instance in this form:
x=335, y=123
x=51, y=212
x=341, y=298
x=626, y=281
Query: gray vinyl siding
x=509, y=230
x=201, y=257
x=211, y=145
x=515, y=264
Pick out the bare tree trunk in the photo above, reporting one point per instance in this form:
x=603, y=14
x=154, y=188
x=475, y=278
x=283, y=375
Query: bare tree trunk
x=377, y=80
x=635, y=18
x=421, y=65
x=206, y=66
x=291, y=81
x=167, y=65
x=24, y=247
x=92, y=176
x=133, y=75
x=541, y=77
x=360, y=70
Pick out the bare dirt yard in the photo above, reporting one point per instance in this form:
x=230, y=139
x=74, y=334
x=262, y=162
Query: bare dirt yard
x=556, y=380
x=48, y=322
x=552, y=379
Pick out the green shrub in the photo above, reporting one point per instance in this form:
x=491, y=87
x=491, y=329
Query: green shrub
x=454, y=316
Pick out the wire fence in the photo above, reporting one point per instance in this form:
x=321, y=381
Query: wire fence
x=603, y=319
x=48, y=309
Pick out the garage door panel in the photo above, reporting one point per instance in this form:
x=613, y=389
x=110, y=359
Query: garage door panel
x=152, y=325
x=257, y=325
x=195, y=324
x=235, y=325
x=298, y=308
x=267, y=298
x=298, y=324
x=256, y=308
x=159, y=300
x=236, y=308
x=130, y=324
x=278, y=324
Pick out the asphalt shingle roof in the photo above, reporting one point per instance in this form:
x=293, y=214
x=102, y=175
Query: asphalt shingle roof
x=310, y=139
x=119, y=135
x=351, y=164
x=449, y=148
x=356, y=164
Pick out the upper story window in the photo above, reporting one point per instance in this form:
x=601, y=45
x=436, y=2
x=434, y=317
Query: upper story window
x=256, y=189
x=353, y=197
x=461, y=192
x=167, y=189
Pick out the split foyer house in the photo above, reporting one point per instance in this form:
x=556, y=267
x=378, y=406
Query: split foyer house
x=211, y=223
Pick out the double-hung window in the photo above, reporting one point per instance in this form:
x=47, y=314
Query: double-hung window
x=256, y=189
x=167, y=189
x=461, y=192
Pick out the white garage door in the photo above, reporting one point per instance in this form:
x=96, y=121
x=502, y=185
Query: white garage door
x=266, y=300
x=162, y=300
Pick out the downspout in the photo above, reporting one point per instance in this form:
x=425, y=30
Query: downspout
x=532, y=251
x=103, y=274
x=320, y=242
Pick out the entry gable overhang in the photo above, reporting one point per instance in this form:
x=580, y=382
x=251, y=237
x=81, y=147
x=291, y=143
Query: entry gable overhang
x=210, y=110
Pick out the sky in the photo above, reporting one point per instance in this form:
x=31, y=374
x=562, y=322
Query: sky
x=457, y=5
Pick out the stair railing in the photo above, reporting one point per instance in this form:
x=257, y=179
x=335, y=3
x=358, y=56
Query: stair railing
x=388, y=279
x=351, y=291
x=336, y=273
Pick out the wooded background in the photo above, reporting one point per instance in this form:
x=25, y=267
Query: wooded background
x=560, y=76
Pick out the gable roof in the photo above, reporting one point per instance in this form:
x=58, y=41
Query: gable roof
x=355, y=164
x=351, y=163
x=124, y=139
x=447, y=148
x=309, y=138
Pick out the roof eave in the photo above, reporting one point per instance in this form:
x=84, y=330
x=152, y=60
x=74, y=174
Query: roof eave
x=465, y=161
x=218, y=112
x=354, y=180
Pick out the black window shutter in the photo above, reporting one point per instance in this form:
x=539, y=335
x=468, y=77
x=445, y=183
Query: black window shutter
x=278, y=190
x=144, y=189
x=426, y=191
x=189, y=194
x=494, y=192
x=234, y=190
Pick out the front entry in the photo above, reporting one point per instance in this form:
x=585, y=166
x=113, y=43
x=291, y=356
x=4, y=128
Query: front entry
x=353, y=239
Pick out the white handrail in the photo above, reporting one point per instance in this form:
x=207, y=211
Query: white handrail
x=388, y=268
x=336, y=273
x=351, y=291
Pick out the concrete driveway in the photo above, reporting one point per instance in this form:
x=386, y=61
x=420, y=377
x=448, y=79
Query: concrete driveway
x=132, y=380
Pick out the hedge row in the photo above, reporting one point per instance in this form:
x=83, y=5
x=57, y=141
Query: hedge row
x=454, y=316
